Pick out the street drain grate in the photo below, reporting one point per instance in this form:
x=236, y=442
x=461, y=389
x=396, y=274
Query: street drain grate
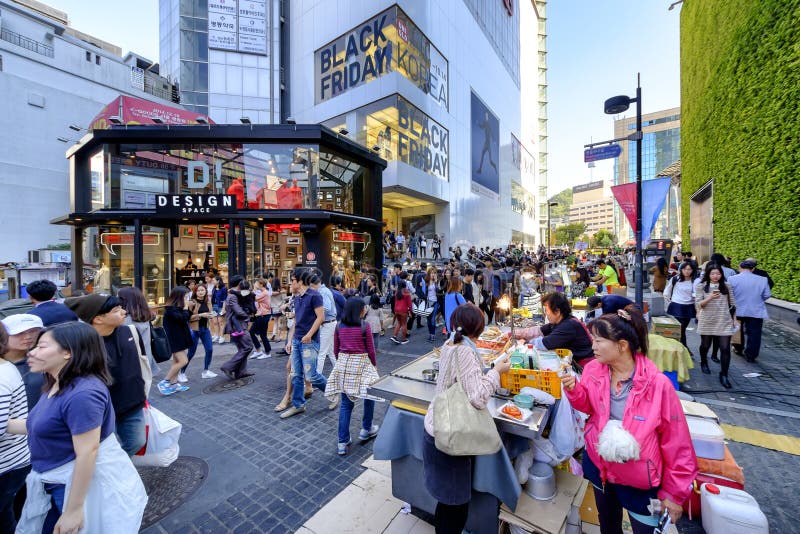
x=228, y=385
x=169, y=487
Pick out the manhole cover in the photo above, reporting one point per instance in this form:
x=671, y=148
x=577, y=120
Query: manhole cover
x=229, y=385
x=169, y=487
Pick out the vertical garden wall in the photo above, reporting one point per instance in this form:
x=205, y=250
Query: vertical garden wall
x=740, y=127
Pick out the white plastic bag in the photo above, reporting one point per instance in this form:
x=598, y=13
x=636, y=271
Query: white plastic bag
x=163, y=434
x=564, y=431
x=545, y=452
x=522, y=464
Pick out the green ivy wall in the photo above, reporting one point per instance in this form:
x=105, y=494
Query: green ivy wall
x=740, y=126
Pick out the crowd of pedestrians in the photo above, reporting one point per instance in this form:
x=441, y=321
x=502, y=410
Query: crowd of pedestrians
x=92, y=355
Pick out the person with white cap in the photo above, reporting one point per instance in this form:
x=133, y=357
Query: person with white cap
x=23, y=330
x=15, y=459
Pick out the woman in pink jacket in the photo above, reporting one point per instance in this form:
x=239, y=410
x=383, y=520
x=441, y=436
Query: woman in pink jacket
x=623, y=388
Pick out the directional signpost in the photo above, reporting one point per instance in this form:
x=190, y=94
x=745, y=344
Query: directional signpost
x=601, y=152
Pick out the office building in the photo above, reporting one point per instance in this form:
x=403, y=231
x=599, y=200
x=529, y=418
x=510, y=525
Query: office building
x=54, y=79
x=661, y=147
x=593, y=205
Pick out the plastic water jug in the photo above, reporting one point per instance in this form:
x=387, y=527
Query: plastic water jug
x=731, y=511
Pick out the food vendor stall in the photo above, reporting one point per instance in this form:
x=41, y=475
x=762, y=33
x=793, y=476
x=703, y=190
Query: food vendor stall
x=411, y=388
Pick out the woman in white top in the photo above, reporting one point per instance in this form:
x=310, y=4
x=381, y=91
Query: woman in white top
x=679, y=293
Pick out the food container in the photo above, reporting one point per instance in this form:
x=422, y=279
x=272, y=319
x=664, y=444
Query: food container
x=517, y=362
x=541, y=483
x=523, y=401
x=707, y=437
x=429, y=374
x=731, y=511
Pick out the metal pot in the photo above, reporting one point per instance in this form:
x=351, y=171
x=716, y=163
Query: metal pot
x=541, y=482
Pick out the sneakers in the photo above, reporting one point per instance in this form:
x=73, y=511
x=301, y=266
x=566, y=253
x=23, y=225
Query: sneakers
x=208, y=374
x=182, y=378
x=263, y=356
x=341, y=448
x=395, y=340
x=221, y=340
x=334, y=403
x=404, y=341
x=292, y=411
x=180, y=387
x=255, y=354
x=165, y=388
x=365, y=435
x=432, y=338
x=214, y=339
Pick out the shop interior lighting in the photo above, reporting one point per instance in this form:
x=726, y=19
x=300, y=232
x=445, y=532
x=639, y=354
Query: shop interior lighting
x=245, y=120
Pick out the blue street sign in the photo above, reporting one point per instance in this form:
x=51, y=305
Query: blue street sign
x=601, y=152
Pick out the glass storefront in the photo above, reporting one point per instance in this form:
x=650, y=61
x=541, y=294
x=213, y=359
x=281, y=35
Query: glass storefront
x=401, y=132
x=388, y=42
x=108, y=260
x=208, y=200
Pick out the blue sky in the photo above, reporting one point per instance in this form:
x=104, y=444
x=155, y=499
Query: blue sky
x=595, y=48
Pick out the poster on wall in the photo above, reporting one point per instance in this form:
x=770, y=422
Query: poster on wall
x=485, y=149
x=421, y=224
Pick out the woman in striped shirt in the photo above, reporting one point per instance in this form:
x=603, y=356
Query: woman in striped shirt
x=714, y=299
x=15, y=459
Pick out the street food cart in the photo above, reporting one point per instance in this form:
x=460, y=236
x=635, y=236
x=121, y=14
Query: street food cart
x=401, y=435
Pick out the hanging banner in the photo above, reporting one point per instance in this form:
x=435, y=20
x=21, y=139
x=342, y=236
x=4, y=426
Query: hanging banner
x=654, y=195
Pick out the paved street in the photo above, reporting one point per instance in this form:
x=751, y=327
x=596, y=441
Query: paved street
x=271, y=475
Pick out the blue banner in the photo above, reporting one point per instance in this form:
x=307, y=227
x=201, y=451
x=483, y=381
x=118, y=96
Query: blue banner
x=654, y=195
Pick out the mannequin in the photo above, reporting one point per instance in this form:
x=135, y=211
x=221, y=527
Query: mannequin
x=102, y=279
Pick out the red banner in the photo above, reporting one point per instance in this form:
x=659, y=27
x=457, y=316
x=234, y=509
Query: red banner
x=626, y=198
x=131, y=110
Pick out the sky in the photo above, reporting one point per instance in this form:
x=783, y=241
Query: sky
x=594, y=50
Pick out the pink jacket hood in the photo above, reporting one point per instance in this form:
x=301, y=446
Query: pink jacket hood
x=654, y=416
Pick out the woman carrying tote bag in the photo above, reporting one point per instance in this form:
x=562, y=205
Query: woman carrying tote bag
x=449, y=478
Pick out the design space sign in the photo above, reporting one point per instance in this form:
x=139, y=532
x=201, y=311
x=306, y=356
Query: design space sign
x=387, y=42
x=195, y=204
x=238, y=26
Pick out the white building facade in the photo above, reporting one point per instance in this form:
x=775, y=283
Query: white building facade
x=446, y=92
x=51, y=77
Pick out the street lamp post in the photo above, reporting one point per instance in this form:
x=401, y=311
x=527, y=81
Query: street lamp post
x=613, y=106
x=550, y=228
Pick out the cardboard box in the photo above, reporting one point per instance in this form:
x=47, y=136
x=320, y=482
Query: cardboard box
x=547, y=517
x=666, y=326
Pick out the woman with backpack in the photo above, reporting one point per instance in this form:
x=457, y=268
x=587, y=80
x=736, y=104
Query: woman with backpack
x=354, y=372
x=680, y=296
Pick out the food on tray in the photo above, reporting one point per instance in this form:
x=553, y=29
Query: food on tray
x=522, y=312
x=512, y=411
x=491, y=332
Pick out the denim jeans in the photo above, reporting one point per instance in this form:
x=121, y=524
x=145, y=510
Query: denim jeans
x=200, y=335
x=56, y=492
x=346, y=412
x=304, y=366
x=130, y=431
x=10, y=484
x=432, y=319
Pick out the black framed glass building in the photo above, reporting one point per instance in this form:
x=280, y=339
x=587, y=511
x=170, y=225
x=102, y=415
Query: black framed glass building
x=155, y=206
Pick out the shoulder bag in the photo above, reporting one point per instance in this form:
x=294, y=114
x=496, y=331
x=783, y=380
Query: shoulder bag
x=460, y=429
x=731, y=307
x=159, y=344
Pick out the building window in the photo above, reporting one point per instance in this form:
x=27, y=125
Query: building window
x=97, y=59
x=388, y=42
x=399, y=131
x=88, y=56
